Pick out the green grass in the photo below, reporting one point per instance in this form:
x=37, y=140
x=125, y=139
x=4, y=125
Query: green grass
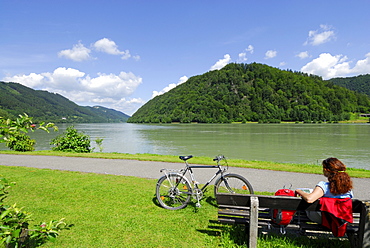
x=264, y=165
x=119, y=211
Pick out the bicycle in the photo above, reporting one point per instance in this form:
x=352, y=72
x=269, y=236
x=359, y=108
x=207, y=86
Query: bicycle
x=173, y=190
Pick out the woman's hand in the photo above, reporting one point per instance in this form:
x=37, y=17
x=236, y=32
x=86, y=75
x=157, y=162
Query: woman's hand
x=310, y=197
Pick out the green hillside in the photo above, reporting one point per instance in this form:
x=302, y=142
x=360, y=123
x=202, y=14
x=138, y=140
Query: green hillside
x=253, y=92
x=17, y=99
x=359, y=83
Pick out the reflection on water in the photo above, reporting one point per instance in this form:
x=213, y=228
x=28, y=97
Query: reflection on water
x=293, y=143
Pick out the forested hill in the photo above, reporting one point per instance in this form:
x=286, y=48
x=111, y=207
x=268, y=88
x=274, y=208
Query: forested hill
x=359, y=83
x=16, y=99
x=252, y=92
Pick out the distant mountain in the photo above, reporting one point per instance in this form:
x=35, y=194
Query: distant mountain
x=110, y=115
x=359, y=83
x=17, y=99
x=253, y=92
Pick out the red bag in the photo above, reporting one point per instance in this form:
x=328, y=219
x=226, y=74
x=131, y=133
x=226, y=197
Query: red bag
x=283, y=217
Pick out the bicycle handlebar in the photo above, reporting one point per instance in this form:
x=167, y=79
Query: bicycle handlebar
x=219, y=158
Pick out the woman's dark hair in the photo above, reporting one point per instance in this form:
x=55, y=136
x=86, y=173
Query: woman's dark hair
x=339, y=180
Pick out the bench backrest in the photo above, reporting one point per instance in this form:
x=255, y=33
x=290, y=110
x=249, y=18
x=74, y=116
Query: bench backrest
x=276, y=202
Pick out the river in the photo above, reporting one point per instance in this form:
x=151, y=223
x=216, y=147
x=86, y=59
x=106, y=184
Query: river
x=292, y=143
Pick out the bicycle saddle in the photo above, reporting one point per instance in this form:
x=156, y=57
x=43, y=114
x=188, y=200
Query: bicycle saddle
x=186, y=157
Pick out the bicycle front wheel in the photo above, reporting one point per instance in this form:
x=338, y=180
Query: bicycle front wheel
x=173, y=192
x=234, y=184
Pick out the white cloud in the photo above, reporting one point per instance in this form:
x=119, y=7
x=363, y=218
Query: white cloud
x=242, y=57
x=108, y=46
x=105, y=89
x=63, y=78
x=136, y=57
x=250, y=49
x=112, y=85
x=329, y=66
x=78, y=53
x=164, y=90
x=31, y=80
x=362, y=66
x=321, y=36
x=182, y=80
x=128, y=106
x=303, y=55
x=270, y=54
x=81, y=53
x=221, y=63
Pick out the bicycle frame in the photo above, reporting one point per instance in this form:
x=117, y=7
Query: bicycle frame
x=192, y=176
x=194, y=183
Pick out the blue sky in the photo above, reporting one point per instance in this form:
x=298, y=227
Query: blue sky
x=120, y=54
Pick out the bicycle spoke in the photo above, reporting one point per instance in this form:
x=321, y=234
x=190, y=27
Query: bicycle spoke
x=233, y=183
x=173, y=192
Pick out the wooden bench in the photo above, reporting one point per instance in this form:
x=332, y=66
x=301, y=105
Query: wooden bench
x=254, y=211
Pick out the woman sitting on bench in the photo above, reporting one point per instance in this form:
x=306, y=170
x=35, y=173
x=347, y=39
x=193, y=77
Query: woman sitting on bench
x=339, y=187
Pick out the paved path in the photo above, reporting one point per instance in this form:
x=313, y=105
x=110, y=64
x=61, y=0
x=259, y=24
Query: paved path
x=261, y=180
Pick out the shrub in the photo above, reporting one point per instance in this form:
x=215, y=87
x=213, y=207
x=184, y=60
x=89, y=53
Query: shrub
x=72, y=141
x=14, y=222
x=20, y=142
x=12, y=132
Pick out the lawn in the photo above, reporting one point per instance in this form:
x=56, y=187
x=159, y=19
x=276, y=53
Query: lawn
x=119, y=211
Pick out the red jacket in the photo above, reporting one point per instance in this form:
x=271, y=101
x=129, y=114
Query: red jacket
x=336, y=213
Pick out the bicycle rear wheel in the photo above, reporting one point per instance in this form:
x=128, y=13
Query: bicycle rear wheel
x=173, y=192
x=234, y=184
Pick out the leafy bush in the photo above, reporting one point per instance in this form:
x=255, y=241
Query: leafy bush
x=12, y=132
x=72, y=141
x=14, y=223
x=20, y=142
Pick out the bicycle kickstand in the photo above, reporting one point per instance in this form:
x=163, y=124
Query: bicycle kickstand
x=198, y=200
x=198, y=203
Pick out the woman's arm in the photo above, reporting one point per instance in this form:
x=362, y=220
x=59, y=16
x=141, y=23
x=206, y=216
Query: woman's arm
x=311, y=197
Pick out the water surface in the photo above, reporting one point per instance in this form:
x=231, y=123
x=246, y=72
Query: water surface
x=293, y=143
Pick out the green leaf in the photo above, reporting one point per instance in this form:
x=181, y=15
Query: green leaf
x=16, y=233
x=8, y=239
x=5, y=213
